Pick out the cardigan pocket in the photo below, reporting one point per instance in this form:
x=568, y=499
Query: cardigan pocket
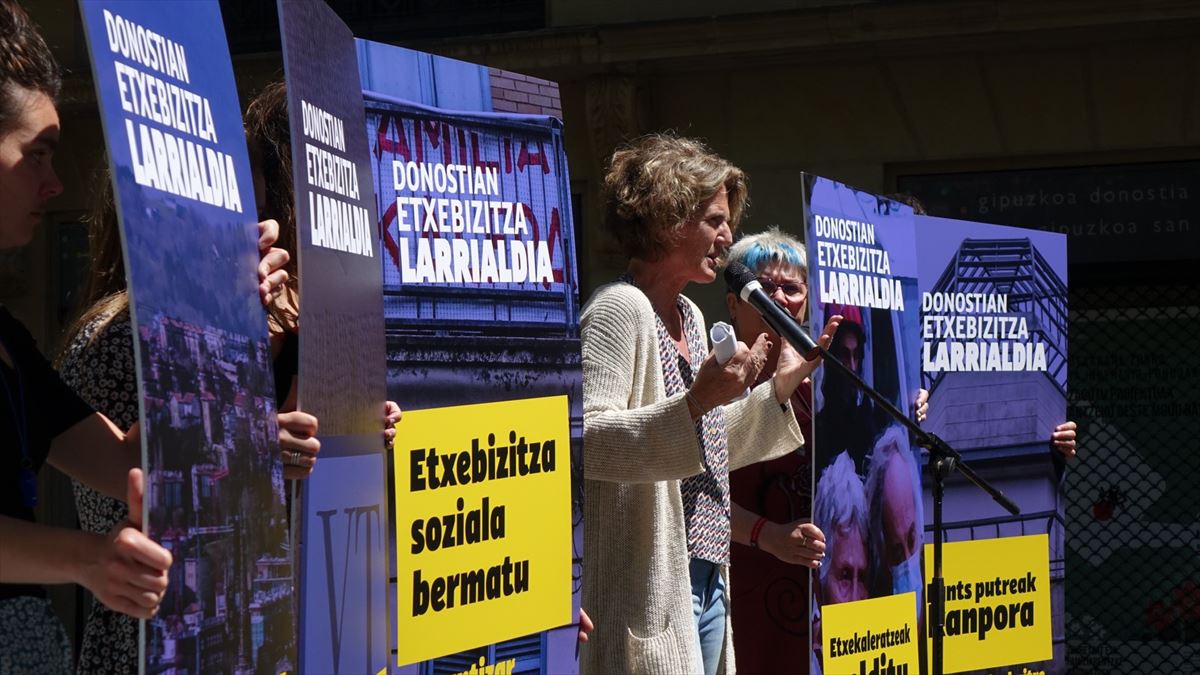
x=657, y=654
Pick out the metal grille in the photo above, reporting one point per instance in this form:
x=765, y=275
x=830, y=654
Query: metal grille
x=1133, y=505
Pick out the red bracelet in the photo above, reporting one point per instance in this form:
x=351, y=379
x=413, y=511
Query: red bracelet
x=754, y=531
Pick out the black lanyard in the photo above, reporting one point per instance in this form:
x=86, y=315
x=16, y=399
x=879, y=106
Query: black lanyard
x=26, y=476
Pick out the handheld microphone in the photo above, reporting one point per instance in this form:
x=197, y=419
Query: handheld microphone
x=742, y=281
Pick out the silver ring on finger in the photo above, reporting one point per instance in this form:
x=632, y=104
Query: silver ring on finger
x=804, y=542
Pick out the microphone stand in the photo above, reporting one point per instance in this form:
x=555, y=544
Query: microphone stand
x=943, y=460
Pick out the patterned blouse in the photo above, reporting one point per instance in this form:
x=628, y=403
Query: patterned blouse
x=706, y=495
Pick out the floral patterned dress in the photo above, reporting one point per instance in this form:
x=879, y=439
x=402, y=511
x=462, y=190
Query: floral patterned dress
x=98, y=365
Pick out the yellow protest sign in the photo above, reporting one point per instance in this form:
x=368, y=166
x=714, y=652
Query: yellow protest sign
x=997, y=602
x=483, y=524
x=871, y=637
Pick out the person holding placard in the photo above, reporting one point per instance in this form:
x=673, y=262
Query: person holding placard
x=776, y=545
x=98, y=363
x=268, y=135
x=41, y=419
x=772, y=501
x=99, y=356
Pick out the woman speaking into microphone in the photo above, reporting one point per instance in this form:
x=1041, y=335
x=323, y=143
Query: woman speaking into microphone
x=663, y=419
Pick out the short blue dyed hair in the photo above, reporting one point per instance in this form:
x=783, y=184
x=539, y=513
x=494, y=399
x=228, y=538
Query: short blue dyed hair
x=772, y=247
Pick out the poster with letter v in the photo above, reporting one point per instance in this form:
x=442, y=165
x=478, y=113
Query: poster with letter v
x=343, y=508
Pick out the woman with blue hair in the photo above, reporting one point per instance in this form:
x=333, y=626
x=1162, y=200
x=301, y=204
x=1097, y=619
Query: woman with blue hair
x=771, y=501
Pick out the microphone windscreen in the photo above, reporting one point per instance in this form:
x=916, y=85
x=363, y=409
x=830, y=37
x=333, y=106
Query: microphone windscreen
x=737, y=276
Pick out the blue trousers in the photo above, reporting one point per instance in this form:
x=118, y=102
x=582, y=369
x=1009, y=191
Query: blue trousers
x=708, y=608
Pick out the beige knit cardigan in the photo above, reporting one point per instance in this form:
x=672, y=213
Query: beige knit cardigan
x=638, y=444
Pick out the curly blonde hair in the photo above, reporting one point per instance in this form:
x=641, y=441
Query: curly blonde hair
x=655, y=183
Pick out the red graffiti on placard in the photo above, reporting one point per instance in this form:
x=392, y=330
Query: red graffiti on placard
x=527, y=158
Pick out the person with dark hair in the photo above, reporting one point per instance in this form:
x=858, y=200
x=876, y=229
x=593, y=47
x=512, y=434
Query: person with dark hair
x=98, y=363
x=41, y=419
x=849, y=420
x=268, y=137
x=775, y=544
x=98, y=359
x=910, y=201
x=663, y=422
x=29, y=84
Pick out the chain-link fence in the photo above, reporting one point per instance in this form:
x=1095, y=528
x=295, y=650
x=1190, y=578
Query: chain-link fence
x=1133, y=514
